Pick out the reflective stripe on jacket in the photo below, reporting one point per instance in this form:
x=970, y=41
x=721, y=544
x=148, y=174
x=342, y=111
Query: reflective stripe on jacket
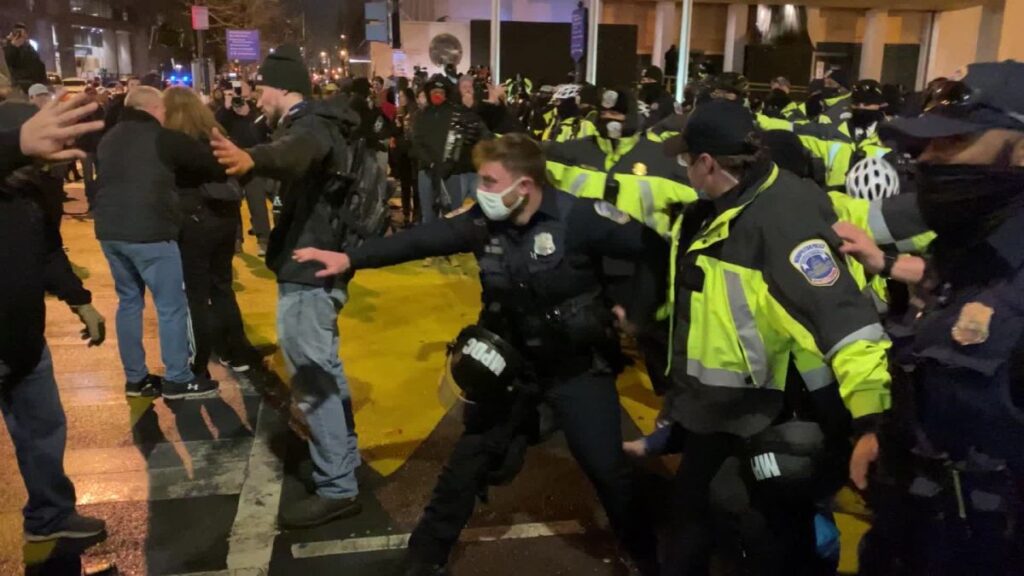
x=645, y=183
x=759, y=284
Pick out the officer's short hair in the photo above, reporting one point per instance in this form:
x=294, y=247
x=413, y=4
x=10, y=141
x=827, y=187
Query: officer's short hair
x=517, y=153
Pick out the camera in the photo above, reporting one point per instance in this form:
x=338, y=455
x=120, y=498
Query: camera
x=236, y=100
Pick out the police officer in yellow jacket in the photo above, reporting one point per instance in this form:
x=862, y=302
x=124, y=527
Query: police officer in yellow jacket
x=621, y=165
x=569, y=122
x=842, y=145
x=764, y=313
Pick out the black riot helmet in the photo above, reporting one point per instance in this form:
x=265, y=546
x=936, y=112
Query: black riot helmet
x=484, y=366
x=788, y=454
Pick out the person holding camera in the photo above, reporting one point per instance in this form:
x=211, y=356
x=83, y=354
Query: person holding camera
x=239, y=118
x=443, y=137
x=22, y=59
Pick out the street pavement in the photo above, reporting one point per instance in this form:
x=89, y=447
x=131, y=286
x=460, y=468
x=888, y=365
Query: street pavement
x=194, y=487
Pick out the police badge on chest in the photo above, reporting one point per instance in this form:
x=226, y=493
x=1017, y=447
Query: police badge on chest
x=543, y=245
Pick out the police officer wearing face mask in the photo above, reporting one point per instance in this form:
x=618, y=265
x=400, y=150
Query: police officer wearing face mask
x=540, y=252
x=842, y=145
x=947, y=488
x=621, y=166
x=772, y=349
x=780, y=104
x=652, y=93
x=569, y=122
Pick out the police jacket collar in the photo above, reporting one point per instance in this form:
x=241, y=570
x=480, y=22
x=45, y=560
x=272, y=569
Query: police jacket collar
x=747, y=188
x=1008, y=240
x=548, y=203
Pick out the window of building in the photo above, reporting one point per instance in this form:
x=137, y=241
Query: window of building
x=98, y=8
x=88, y=36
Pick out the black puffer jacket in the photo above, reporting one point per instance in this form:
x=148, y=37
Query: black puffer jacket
x=300, y=155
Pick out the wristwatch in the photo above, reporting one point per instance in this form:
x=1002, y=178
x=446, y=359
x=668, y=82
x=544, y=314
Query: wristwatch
x=887, y=268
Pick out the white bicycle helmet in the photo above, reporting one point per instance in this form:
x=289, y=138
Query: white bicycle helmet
x=872, y=179
x=566, y=91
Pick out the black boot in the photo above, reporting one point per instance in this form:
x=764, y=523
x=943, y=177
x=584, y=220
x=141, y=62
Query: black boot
x=315, y=510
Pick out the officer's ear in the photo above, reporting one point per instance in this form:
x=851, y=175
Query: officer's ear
x=705, y=161
x=525, y=185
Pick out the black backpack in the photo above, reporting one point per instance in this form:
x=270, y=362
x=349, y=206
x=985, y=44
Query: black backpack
x=356, y=193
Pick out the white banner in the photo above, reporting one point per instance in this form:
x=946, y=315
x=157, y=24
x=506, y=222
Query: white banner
x=429, y=44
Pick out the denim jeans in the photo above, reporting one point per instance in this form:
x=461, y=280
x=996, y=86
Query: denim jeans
x=459, y=186
x=156, y=266
x=35, y=420
x=307, y=331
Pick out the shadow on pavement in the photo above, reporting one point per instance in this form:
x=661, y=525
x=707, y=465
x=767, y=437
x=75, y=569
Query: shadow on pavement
x=63, y=558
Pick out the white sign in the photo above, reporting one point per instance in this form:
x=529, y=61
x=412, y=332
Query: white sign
x=417, y=38
x=400, y=64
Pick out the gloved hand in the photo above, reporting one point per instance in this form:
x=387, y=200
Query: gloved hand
x=95, y=330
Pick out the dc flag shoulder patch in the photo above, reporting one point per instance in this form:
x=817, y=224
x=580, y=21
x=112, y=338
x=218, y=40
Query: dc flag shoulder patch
x=814, y=260
x=607, y=210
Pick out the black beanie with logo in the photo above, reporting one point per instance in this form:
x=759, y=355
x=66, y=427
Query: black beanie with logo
x=284, y=69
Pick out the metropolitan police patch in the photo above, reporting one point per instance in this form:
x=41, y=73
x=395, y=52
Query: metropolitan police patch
x=607, y=210
x=814, y=260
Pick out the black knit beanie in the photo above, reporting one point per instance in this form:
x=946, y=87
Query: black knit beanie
x=284, y=69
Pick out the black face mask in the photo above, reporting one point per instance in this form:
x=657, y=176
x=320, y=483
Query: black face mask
x=568, y=108
x=863, y=119
x=815, y=105
x=649, y=93
x=964, y=203
x=776, y=102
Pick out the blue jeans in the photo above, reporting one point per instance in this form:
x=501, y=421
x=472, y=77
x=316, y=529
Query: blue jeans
x=459, y=186
x=157, y=266
x=35, y=420
x=307, y=331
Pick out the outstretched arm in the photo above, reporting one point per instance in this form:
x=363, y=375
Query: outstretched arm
x=440, y=238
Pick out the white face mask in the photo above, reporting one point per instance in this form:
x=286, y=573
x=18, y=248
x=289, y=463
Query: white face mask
x=493, y=203
x=615, y=130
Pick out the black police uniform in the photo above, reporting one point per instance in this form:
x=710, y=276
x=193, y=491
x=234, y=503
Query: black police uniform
x=542, y=292
x=947, y=493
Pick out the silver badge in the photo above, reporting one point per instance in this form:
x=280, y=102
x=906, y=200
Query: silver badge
x=543, y=244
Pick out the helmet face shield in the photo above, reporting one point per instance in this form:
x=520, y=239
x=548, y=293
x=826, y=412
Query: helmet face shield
x=483, y=367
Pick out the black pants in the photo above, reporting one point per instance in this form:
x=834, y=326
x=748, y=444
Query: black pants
x=259, y=215
x=89, y=178
x=588, y=412
x=918, y=528
x=716, y=504
x=207, y=248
